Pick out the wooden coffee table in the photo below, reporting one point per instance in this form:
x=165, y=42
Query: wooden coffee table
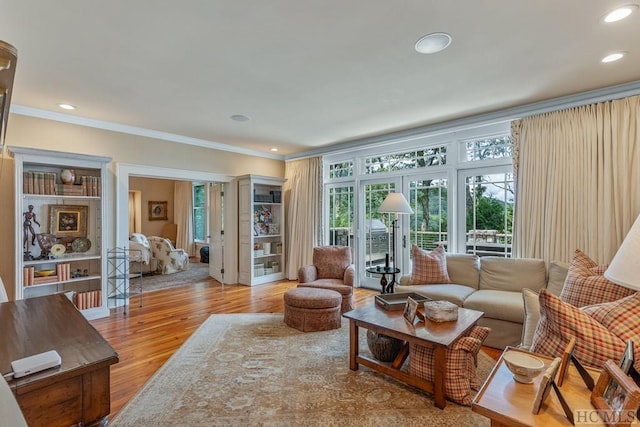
x=427, y=334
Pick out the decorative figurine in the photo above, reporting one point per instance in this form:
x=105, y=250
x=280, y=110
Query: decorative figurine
x=29, y=217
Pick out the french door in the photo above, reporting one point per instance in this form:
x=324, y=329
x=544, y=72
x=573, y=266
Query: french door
x=428, y=226
x=375, y=230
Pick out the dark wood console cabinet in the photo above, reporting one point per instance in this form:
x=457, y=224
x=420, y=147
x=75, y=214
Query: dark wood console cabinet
x=78, y=392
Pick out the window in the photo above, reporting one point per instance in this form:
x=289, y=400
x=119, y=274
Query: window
x=489, y=199
x=428, y=223
x=200, y=228
x=422, y=158
x=341, y=212
x=488, y=148
x=340, y=170
x=458, y=183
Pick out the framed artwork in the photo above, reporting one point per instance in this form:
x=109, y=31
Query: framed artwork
x=157, y=211
x=566, y=360
x=616, y=393
x=545, y=384
x=68, y=220
x=410, y=310
x=627, y=358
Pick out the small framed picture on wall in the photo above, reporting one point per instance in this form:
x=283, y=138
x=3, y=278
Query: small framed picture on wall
x=157, y=211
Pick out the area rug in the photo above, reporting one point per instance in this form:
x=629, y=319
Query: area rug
x=252, y=369
x=197, y=272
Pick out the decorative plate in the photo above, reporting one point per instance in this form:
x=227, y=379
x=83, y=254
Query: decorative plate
x=58, y=249
x=81, y=244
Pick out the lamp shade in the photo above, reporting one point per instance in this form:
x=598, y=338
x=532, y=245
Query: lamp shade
x=395, y=203
x=625, y=266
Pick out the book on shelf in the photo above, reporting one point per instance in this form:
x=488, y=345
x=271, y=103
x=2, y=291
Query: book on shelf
x=91, y=185
x=70, y=190
x=34, y=182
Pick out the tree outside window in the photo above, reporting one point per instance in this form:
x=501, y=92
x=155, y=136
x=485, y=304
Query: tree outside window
x=199, y=212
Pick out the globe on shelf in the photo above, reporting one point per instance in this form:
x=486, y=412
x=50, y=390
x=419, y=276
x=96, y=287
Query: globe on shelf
x=68, y=176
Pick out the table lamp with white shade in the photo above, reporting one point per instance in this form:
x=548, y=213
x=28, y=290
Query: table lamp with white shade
x=395, y=203
x=625, y=266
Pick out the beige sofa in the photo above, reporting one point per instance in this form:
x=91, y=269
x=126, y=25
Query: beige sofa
x=494, y=286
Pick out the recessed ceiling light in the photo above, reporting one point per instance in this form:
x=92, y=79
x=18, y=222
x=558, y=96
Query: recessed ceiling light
x=433, y=43
x=67, y=106
x=274, y=149
x=620, y=13
x=240, y=118
x=613, y=57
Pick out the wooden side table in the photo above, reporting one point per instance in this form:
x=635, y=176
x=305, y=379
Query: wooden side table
x=509, y=403
x=386, y=286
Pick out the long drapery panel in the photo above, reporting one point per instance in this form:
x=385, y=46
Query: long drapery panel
x=303, y=198
x=578, y=180
x=183, y=216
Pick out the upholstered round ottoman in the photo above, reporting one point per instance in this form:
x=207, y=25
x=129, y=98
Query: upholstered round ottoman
x=311, y=309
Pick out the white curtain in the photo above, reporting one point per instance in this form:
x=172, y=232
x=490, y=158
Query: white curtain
x=303, y=199
x=132, y=213
x=578, y=180
x=183, y=216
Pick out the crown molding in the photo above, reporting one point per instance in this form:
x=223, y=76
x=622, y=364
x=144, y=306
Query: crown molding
x=132, y=130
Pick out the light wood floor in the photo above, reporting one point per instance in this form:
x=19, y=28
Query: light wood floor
x=145, y=337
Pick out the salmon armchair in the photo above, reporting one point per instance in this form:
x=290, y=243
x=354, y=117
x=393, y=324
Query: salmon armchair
x=332, y=269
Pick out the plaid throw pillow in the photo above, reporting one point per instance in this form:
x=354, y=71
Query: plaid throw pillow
x=595, y=344
x=461, y=365
x=622, y=317
x=586, y=285
x=429, y=267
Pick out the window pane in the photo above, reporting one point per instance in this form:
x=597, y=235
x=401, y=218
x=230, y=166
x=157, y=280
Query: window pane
x=489, y=214
x=489, y=148
x=378, y=225
x=199, y=212
x=424, y=158
x=428, y=223
x=340, y=170
x=341, y=216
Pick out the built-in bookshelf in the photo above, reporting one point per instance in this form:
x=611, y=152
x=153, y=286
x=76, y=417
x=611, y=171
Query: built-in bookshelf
x=261, y=229
x=60, y=227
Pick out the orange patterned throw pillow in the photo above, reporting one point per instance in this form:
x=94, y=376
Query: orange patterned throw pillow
x=586, y=285
x=595, y=342
x=429, y=267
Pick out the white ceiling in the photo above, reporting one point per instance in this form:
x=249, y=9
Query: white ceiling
x=308, y=73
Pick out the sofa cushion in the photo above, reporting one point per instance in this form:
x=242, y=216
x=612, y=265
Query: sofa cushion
x=445, y=292
x=429, y=267
x=460, y=368
x=557, y=274
x=512, y=274
x=464, y=269
x=531, y=317
x=504, y=305
x=586, y=285
x=559, y=321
